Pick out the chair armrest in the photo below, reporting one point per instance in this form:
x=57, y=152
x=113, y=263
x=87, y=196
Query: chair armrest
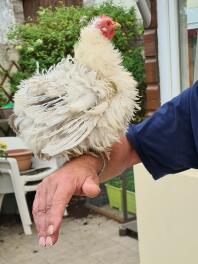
x=37, y=176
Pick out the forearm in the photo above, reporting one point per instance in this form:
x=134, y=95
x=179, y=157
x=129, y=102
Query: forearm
x=167, y=142
x=122, y=156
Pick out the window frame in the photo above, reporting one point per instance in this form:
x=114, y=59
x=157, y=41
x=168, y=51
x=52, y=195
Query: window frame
x=168, y=49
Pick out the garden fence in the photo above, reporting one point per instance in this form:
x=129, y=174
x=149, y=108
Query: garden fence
x=6, y=95
x=5, y=78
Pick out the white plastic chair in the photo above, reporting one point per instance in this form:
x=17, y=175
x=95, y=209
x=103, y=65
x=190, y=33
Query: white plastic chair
x=14, y=181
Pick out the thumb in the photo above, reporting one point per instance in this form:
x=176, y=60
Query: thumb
x=90, y=188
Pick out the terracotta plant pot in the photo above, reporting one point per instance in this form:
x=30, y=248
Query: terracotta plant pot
x=23, y=157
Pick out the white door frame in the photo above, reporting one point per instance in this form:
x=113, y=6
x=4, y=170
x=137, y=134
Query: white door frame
x=168, y=49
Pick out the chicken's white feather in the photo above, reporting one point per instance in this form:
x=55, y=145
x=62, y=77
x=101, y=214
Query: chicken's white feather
x=81, y=104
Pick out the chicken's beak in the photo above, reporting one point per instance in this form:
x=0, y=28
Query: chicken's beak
x=117, y=25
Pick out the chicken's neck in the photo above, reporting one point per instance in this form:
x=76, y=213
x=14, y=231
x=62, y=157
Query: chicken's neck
x=98, y=53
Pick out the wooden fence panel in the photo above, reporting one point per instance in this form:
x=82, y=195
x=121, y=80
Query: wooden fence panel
x=30, y=7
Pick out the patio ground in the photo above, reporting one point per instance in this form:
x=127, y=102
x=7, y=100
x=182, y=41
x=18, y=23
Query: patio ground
x=93, y=239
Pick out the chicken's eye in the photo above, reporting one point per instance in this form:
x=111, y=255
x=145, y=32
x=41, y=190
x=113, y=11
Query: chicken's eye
x=108, y=23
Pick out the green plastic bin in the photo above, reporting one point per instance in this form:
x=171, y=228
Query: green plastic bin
x=115, y=198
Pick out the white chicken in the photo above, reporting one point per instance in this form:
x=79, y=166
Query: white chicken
x=82, y=104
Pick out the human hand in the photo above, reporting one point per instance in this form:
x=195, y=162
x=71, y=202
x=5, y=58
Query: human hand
x=77, y=177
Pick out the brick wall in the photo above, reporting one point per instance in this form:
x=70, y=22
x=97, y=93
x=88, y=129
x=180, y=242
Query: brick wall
x=151, y=63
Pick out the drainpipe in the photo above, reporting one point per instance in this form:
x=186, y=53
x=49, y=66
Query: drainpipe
x=144, y=8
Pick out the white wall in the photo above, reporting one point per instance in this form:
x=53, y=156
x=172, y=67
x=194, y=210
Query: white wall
x=6, y=18
x=11, y=12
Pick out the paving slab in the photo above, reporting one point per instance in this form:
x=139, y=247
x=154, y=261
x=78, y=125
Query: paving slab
x=93, y=240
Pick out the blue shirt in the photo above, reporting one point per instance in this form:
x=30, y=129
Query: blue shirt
x=167, y=142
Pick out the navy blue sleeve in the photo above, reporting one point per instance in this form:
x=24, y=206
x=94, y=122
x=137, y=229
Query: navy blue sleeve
x=167, y=142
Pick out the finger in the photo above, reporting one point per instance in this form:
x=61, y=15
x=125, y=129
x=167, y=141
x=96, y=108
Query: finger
x=61, y=198
x=35, y=212
x=90, y=188
x=38, y=214
x=51, y=240
x=50, y=196
x=36, y=207
x=42, y=210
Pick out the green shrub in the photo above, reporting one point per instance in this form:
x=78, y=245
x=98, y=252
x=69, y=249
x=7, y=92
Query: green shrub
x=55, y=32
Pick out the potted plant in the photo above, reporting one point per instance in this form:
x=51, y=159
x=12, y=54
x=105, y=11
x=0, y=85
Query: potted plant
x=114, y=192
x=22, y=156
x=3, y=149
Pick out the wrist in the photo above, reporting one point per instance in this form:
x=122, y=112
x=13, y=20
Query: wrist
x=94, y=162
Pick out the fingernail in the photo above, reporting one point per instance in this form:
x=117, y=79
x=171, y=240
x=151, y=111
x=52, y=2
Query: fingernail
x=50, y=230
x=49, y=241
x=42, y=241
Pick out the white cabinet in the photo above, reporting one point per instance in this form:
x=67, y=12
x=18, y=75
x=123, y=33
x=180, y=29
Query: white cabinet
x=167, y=214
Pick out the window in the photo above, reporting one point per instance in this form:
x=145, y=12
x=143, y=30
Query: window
x=188, y=33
